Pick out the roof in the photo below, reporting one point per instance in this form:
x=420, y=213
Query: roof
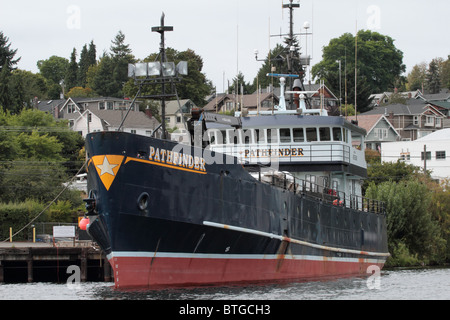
x=369, y=121
x=172, y=106
x=49, y=105
x=443, y=134
x=113, y=118
x=248, y=100
x=280, y=121
x=413, y=107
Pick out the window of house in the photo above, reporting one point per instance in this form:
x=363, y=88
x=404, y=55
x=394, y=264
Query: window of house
x=298, y=135
x=416, y=120
x=101, y=106
x=428, y=155
x=109, y=105
x=440, y=155
x=429, y=121
x=285, y=135
x=381, y=133
x=438, y=122
x=133, y=131
x=71, y=108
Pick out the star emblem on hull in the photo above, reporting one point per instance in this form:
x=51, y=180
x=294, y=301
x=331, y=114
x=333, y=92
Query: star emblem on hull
x=107, y=167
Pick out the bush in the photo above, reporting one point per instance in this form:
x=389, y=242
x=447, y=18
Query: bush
x=16, y=216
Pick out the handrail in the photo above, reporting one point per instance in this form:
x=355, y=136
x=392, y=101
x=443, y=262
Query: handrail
x=290, y=183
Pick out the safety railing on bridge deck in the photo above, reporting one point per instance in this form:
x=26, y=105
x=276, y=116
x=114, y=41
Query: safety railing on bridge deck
x=338, y=198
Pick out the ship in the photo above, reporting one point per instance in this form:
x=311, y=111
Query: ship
x=259, y=196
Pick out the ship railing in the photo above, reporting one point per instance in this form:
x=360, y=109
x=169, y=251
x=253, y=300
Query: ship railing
x=323, y=193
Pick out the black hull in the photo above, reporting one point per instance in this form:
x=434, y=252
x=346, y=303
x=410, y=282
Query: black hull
x=219, y=213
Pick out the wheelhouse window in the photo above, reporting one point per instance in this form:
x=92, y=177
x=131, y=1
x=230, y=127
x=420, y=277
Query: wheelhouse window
x=298, y=135
x=311, y=134
x=324, y=134
x=285, y=135
x=337, y=134
x=272, y=135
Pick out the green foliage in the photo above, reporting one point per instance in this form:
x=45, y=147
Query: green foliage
x=194, y=86
x=16, y=215
x=71, y=77
x=409, y=220
x=379, y=65
x=37, y=156
x=273, y=59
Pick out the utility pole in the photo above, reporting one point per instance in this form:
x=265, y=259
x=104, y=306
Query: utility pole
x=424, y=158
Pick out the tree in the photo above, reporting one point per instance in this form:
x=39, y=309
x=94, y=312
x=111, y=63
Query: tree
x=433, y=76
x=274, y=59
x=445, y=75
x=239, y=86
x=100, y=78
x=7, y=54
x=119, y=49
x=87, y=59
x=194, y=86
x=54, y=68
x=416, y=78
x=379, y=65
x=7, y=64
x=409, y=223
x=33, y=154
x=72, y=71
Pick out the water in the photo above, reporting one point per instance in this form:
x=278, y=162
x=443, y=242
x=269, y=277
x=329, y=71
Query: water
x=423, y=284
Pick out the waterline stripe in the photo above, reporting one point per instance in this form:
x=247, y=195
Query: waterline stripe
x=304, y=243
x=150, y=255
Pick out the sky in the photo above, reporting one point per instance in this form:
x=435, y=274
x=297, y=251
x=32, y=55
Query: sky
x=225, y=33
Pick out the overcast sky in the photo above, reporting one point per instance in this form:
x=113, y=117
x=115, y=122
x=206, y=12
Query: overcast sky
x=225, y=33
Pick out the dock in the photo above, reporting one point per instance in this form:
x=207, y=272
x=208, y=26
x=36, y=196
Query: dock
x=22, y=262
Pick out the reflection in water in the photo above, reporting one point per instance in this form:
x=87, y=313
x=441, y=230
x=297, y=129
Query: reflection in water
x=400, y=284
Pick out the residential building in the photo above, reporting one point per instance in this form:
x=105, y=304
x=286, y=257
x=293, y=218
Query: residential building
x=87, y=115
x=378, y=129
x=253, y=102
x=431, y=151
x=178, y=113
x=412, y=120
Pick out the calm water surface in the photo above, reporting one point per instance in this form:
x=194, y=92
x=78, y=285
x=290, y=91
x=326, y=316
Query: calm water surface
x=400, y=285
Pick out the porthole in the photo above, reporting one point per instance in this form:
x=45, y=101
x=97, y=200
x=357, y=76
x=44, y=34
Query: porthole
x=143, y=201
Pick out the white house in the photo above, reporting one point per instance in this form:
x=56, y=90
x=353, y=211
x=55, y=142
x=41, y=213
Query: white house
x=109, y=120
x=432, y=151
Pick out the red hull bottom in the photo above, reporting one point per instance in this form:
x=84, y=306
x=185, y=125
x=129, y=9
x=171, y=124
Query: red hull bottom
x=163, y=271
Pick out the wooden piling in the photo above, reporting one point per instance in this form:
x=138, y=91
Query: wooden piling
x=35, y=255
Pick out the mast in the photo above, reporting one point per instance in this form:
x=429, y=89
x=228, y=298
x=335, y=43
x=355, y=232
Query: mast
x=291, y=47
x=161, y=30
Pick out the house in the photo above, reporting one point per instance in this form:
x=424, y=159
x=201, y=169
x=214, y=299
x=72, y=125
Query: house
x=87, y=115
x=231, y=102
x=50, y=106
x=136, y=122
x=431, y=151
x=413, y=120
x=178, y=113
x=321, y=96
x=384, y=98
x=378, y=129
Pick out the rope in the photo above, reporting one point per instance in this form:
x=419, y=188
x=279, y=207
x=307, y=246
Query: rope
x=53, y=201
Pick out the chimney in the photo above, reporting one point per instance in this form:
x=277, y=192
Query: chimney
x=148, y=112
x=391, y=115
